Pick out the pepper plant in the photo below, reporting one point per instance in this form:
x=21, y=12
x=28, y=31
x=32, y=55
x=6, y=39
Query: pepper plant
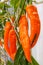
x=19, y=7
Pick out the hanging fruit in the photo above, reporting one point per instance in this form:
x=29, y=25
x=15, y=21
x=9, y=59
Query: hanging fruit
x=10, y=40
x=24, y=37
x=32, y=14
x=17, y=41
x=6, y=35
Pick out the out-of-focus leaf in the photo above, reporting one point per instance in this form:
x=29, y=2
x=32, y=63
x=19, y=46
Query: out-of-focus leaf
x=1, y=30
x=1, y=62
x=29, y=1
x=2, y=33
x=1, y=26
x=7, y=6
x=14, y=3
x=2, y=4
x=3, y=12
x=9, y=63
x=4, y=22
x=22, y=2
x=17, y=3
x=19, y=11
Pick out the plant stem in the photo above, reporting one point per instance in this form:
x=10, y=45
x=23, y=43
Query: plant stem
x=17, y=20
x=19, y=13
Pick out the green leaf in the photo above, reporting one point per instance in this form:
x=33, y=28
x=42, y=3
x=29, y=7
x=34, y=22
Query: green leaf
x=18, y=56
x=1, y=30
x=12, y=2
x=19, y=11
x=3, y=12
x=2, y=4
x=7, y=6
x=1, y=26
x=21, y=60
x=9, y=63
x=1, y=33
x=15, y=3
x=29, y=1
x=34, y=61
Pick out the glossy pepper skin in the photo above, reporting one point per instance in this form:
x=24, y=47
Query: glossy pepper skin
x=6, y=36
x=32, y=14
x=12, y=39
x=24, y=37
